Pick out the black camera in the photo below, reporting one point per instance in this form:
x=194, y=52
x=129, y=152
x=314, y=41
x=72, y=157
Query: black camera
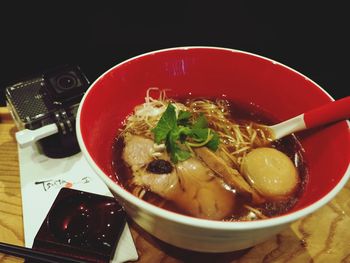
x=45, y=108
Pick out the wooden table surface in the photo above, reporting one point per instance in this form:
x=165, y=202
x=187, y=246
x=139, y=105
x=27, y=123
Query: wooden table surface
x=324, y=236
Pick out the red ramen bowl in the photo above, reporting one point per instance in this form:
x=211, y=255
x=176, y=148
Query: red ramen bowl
x=212, y=72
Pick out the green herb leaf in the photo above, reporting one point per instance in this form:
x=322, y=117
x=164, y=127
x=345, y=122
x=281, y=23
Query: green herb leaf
x=177, y=154
x=183, y=133
x=183, y=117
x=179, y=136
x=199, y=134
x=213, y=144
x=180, y=155
x=201, y=122
x=166, y=123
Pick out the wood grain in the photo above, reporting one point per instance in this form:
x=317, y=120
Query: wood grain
x=321, y=237
x=11, y=225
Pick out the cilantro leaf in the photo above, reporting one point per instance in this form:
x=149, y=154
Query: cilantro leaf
x=166, y=123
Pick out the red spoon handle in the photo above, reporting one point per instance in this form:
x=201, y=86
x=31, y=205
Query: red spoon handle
x=331, y=112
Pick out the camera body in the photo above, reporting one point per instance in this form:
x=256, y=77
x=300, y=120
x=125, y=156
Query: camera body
x=50, y=97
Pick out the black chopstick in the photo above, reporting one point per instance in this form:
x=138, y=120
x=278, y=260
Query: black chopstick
x=29, y=253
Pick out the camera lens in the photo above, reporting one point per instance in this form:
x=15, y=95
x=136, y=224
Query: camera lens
x=66, y=81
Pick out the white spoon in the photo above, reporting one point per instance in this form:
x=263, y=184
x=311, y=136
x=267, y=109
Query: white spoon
x=270, y=171
x=331, y=112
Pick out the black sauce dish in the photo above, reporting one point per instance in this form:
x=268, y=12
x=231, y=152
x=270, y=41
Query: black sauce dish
x=82, y=226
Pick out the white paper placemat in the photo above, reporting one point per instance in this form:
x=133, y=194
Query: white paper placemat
x=41, y=180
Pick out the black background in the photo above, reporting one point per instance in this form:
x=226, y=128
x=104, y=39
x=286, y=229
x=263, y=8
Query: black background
x=309, y=36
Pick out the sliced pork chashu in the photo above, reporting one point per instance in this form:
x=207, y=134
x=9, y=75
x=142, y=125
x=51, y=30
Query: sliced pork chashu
x=191, y=185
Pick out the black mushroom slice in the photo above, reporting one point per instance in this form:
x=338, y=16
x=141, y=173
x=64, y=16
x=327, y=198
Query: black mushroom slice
x=159, y=166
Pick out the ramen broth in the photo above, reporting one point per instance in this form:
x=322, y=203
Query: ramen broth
x=244, y=208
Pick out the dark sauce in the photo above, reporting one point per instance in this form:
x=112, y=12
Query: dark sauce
x=86, y=220
x=241, y=113
x=82, y=225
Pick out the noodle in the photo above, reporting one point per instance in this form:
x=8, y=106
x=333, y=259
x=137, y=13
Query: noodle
x=236, y=139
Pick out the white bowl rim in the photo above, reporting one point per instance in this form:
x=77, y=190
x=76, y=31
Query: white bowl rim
x=196, y=222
